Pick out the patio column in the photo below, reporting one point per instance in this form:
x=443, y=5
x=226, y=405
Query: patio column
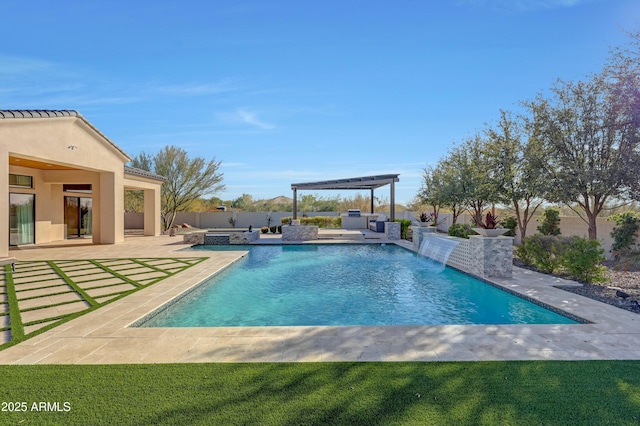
x=371, y=200
x=152, y=212
x=111, y=208
x=295, y=203
x=4, y=195
x=393, y=202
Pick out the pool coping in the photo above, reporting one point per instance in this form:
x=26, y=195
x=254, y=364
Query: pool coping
x=104, y=336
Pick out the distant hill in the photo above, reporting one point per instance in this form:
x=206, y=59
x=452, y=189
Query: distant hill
x=277, y=200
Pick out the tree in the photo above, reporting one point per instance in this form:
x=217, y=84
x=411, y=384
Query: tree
x=244, y=202
x=589, y=137
x=517, y=168
x=475, y=175
x=134, y=201
x=432, y=190
x=452, y=196
x=187, y=179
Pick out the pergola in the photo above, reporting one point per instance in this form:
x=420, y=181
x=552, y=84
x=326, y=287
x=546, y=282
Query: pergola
x=359, y=183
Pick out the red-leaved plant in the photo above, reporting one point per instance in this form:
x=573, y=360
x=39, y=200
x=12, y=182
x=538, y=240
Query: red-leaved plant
x=490, y=221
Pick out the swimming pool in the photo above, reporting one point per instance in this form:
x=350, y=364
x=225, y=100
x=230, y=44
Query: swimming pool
x=340, y=285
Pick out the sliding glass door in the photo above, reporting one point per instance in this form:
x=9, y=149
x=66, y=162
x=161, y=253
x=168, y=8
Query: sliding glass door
x=77, y=216
x=21, y=219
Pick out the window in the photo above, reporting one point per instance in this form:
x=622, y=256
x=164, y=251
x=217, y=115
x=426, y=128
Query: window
x=85, y=188
x=21, y=219
x=20, y=181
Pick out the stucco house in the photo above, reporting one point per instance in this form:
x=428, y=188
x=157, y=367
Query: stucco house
x=62, y=178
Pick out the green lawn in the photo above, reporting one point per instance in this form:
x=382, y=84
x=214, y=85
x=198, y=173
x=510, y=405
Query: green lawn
x=490, y=393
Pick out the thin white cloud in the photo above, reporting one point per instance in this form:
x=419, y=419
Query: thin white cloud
x=236, y=164
x=224, y=86
x=15, y=66
x=251, y=118
x=525, y=5
x=246, y=117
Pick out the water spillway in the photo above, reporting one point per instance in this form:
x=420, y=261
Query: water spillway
x=437, y=248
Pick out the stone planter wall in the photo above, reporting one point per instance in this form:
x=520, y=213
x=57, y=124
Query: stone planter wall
x=392, y=230
x=245, y=237
x=194, y=238
x=493, y=257
x=299, y=233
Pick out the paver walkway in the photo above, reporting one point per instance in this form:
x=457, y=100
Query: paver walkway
x=45, y=294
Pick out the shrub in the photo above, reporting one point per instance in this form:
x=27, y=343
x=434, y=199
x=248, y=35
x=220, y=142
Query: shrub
x=579, y=257
x=404, y=227
x=582, y=259
x=624, y=233
x=461, y=230
x=542, y=251
x=551, y=223
x=264, y=229
x=511, y=223
x=320, y=221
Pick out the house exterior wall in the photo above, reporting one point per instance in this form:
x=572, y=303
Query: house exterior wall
x=73, y=143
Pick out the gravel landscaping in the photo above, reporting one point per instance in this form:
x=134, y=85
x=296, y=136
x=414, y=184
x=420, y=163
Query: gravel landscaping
x=622, y=288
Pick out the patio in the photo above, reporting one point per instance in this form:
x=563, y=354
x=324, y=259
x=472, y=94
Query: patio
x=103, y=336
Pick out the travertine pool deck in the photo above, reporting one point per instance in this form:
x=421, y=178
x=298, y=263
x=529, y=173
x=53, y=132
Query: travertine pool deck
x=104, y=336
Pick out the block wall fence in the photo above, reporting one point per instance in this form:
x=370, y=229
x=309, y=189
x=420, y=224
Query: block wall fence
x=568, y=225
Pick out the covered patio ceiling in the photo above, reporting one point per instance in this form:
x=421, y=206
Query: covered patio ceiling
x=358, y=183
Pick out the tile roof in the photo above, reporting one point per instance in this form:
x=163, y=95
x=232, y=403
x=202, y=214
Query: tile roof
x=38, y=113
x=143, y=173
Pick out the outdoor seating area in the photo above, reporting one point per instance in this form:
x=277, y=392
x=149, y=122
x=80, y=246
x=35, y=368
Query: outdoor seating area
x=376, y=224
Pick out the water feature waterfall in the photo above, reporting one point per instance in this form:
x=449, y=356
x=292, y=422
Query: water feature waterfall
x=437, y=248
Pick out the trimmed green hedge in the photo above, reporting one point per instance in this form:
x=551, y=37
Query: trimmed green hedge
x=320, y=221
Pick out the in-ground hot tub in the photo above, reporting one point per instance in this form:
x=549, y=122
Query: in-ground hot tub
x=222, y=237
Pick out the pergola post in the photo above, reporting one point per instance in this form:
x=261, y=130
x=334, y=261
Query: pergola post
x=295, y=203
x=393, y=202
x=372, y=200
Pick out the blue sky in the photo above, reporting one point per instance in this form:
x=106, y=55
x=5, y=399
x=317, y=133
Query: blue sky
x=296, y=91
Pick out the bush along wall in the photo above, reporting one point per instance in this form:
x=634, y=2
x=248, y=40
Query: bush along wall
x=461, y=230
x=625, y=233
x=578, y=257
x=404, y=228
x=319, y=221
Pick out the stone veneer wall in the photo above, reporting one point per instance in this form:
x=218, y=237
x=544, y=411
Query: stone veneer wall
x=493, y=256
x=299, y=232
x=392, y=230
x=484, y=257
x=419, y=233
x=213, y=238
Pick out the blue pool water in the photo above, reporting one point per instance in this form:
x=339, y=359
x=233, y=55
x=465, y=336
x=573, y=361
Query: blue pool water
x=338, y=285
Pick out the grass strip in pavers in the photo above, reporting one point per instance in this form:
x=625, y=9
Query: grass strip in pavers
x=15, y=319
x=91, y=280
x=73, y=285
x=415, y=393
